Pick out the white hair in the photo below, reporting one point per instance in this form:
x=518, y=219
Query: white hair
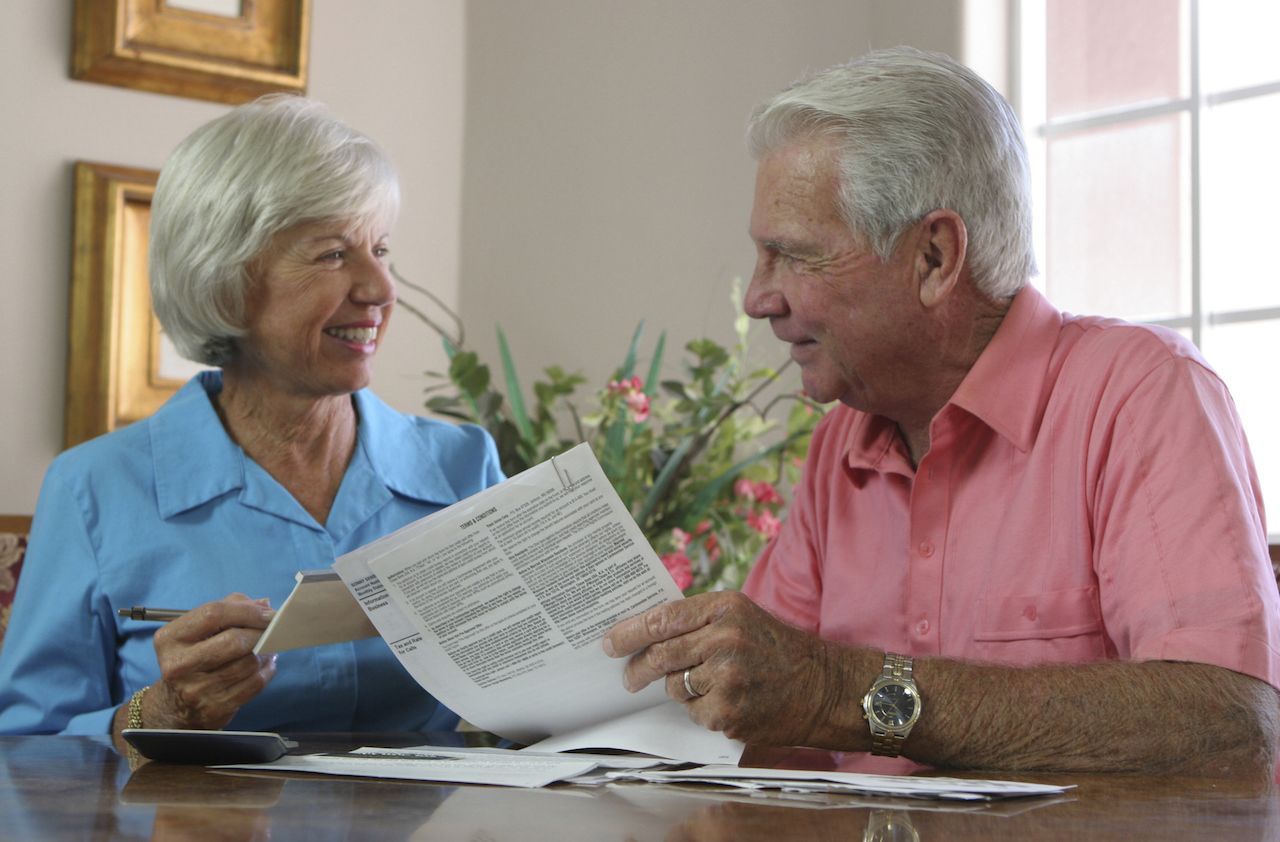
x=235, y=183
x=916, y=132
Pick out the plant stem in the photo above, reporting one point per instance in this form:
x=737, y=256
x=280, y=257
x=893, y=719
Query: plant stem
x=455, y=338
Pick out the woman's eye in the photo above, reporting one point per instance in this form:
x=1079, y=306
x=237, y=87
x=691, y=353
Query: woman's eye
x=382, y=251
x=332, y=256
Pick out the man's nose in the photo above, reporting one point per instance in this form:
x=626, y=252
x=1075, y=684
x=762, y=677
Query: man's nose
x=763, y=298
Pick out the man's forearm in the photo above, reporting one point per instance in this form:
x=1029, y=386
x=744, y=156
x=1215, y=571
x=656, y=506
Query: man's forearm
x=1157, y=717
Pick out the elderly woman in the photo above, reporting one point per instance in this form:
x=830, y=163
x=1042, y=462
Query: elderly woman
x=269, y=244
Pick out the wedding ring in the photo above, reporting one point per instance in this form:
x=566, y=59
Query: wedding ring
x=688, y=685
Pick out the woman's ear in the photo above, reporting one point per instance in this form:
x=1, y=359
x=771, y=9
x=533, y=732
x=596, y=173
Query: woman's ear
x=943, y=242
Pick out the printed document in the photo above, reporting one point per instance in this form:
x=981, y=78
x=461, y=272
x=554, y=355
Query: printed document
x=497, y=605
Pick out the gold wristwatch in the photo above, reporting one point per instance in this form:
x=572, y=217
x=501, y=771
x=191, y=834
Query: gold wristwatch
x=892, y=706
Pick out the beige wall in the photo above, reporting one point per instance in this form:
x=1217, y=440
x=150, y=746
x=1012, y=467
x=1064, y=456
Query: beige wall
x=602, y=178
x=605, y=179
x=392, y=68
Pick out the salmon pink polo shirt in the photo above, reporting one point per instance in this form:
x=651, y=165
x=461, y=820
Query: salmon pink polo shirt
x=1088, y=495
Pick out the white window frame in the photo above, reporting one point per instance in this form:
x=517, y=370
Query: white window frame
x=1026, y=87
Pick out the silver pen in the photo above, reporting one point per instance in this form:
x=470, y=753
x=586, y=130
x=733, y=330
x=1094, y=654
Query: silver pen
x=154, y=615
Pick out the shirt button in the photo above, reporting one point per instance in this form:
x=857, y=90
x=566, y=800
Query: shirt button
x=926, y=549
x=922, y=627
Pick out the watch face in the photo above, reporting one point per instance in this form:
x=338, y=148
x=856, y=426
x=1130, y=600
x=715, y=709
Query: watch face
x=894, y=705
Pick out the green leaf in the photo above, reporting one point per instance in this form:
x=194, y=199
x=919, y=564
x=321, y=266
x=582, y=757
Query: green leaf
x=676, y=388
x=708, y=493
x=472, y=376
x=518, y=413
x=613, y=459
x=655, y=367
x=629, y=364
x=664, y=478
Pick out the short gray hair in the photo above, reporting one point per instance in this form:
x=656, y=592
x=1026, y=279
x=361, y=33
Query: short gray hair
x=916, y=132
x=230, y=187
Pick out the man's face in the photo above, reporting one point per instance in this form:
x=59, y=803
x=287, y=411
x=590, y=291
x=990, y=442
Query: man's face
x=852, y=321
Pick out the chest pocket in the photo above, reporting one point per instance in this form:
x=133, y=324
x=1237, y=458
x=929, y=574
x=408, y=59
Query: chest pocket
x=1050, y=627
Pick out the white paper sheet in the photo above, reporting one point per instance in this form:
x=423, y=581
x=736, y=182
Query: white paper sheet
x=821, y=781
x=664, y=730
x=319, y=610
x=501, y=767
x=497, y=604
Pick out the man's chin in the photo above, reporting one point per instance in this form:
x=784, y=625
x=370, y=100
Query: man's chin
x=819, y=392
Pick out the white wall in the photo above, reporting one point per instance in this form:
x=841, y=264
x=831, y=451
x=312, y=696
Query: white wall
x=392, y=68
x=602, y=178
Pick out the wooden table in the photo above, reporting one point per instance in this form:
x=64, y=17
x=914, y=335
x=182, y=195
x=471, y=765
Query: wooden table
x=80, y=788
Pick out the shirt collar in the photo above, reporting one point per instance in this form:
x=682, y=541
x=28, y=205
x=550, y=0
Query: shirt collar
x=400, y=454
x=1005, y=387
x=196, y=461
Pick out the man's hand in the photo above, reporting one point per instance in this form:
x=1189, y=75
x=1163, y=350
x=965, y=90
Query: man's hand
x=207, y=666
x=757, y=679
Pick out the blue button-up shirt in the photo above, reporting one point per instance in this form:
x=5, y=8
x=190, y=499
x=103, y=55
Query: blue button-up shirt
x=169, y=512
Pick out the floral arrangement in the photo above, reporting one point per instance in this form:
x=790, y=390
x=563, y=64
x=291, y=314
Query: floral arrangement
x=700, y=462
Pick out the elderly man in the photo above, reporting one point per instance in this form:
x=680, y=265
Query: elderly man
x=1025, y=540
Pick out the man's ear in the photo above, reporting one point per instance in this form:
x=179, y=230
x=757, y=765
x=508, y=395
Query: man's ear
x=940, y=256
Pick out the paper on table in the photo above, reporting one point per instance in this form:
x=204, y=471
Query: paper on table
x=664, y=730
x=503, y=767
x=497, y=604
x=824, y=781
x=320, y=610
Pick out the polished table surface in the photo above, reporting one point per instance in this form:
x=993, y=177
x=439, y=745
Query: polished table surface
x=81, y=788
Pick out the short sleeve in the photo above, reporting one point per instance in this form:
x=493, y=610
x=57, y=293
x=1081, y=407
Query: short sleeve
x=1180, y=546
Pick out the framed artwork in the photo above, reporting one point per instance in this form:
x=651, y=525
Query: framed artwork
x=120, y=366
x=221, y=50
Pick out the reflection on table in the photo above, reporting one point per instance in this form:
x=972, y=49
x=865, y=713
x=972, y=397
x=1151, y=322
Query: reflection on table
x=79, y=787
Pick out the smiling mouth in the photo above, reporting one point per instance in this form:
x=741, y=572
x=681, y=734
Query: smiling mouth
x=360, y=335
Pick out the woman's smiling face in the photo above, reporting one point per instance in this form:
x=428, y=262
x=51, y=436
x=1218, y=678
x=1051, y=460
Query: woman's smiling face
x=317, y=307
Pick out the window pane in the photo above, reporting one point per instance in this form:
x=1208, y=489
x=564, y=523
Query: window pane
x=1105, y=53
x=1238, y=44
x=1116, y=214
x=1240, y=180
x=1244, y=355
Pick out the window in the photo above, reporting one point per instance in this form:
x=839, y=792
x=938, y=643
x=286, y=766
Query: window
x=1152, y=129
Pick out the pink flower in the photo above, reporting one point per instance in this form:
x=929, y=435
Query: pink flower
x=767, y=494
x=766, y=523
x=626, y=385
x=680, y=568
x=681, y=538
x=638, y=403
x=745, y=488
x=631, y=391
x=712, y=543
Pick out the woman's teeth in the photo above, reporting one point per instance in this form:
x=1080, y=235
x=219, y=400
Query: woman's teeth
x=361, y=335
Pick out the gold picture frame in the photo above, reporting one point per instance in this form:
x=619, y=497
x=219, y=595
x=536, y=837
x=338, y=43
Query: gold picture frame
x=118, y=364
x=170, y=47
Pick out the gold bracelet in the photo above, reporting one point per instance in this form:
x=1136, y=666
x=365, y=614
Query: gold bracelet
x=135, y=709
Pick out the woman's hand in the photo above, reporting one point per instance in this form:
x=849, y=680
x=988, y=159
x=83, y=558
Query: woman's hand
x=207, y=667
